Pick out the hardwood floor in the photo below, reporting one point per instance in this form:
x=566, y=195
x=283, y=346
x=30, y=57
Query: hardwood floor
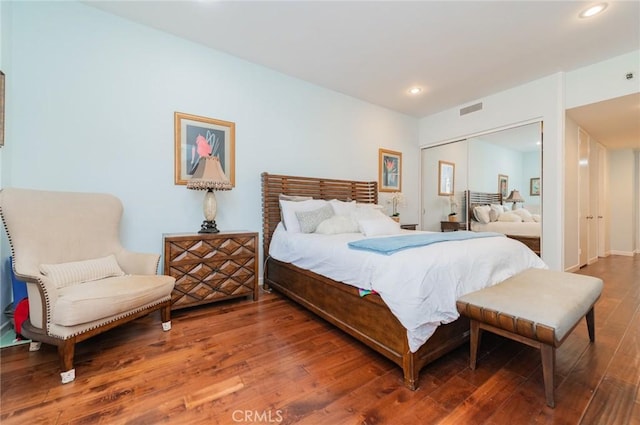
x=273, y=362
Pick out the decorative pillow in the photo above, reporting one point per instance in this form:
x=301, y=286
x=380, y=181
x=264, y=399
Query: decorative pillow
x=338, y=224
x=524, y=214
x=288, y=210
x=343, y=208
x=481, y=213
x=510, y=217
x=309, y=220
x=379, y=227
x=292, y=198
x=536, y=217
x=66, y=274
x=495, y=212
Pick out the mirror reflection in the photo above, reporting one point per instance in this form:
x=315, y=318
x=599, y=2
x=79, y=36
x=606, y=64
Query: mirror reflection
x=497, y=184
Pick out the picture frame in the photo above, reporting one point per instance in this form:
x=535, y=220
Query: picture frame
x=503, y=185
x=197, y=136
x=389, y=171
x=446, y=178
x=534, y=186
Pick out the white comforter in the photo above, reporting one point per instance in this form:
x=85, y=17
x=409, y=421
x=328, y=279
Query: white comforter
x=419, y=285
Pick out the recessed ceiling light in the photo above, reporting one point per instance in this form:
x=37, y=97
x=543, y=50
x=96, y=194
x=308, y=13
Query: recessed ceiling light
x=415, y=90
x=593, y=10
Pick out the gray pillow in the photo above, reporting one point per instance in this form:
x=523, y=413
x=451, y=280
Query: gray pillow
x=309, y=220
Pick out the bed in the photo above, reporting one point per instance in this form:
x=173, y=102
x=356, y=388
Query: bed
x=366, y=318
x=526, y=232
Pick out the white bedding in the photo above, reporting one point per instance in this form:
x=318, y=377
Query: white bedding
x=524, y=228
x=420, y=285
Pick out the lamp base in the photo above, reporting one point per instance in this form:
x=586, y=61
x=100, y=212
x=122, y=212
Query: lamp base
x=209, y=227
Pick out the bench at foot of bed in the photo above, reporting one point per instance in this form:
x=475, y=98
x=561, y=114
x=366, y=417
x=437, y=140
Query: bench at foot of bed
x=537, y=307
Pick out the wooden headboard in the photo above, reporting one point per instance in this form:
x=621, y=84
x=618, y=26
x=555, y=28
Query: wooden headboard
x=481, y=198
x=318, y=188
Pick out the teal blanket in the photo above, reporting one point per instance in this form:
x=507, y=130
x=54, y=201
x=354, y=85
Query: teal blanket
x=391, y=245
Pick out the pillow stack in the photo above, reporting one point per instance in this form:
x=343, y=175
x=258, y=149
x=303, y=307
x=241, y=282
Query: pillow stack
x=307, y=215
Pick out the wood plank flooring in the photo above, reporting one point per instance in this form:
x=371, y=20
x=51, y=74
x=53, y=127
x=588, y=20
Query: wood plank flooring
x=273, y=362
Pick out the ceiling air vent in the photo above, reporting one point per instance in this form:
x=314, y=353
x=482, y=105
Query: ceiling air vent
x=469, y=109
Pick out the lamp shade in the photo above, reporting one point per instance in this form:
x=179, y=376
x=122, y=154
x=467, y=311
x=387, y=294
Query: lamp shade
x=209, y=175
x=514, y=196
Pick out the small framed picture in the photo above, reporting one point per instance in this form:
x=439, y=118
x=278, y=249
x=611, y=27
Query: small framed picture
x=389, y=171
x=446, y=178
x=196, y=137
x=534, y=186
x=503, y=185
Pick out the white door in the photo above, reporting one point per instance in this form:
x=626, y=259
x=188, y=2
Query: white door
x=594, y=188
x=602, y=201
x=583, y=184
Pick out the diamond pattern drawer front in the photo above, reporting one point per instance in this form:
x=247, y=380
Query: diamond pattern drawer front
x=211, y=267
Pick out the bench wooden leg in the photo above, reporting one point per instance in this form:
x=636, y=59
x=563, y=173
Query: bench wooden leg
x=474, y=342
x=548, y=369
x=591, y=320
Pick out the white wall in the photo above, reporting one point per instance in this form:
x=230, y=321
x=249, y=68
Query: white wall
x=94, y=98
x=540, y=100
x=623, y=196
x=603, y=80
x=487, y=160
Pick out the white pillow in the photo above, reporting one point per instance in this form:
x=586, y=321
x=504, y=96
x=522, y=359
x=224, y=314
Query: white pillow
x=309, y=220
x=379, y=226
x=368, y=211
x=67, y=274
x=289, y=208
x=338, y=224
x=524, y=214
x=495, y=212
x=510, y=217
x=481, y=213
x=343, y=208
x=536, y=217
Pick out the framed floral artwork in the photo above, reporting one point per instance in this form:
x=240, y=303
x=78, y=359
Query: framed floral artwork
x=197, y=136
x=389, y=171
x=446, y=178
x=534, y=186
x=503, y=185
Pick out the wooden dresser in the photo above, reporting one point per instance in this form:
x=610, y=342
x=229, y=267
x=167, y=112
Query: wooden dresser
x=211, y=267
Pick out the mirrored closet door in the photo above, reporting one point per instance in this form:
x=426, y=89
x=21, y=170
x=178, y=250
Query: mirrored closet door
x=500, y=168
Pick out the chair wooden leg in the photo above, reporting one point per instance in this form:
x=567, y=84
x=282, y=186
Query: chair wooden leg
x=165, y=314
x=591, y=323
x=66, y=351
x=548, y=370
x=474, y=342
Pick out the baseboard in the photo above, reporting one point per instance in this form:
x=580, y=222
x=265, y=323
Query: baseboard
x=625, y=253
x=572, y=269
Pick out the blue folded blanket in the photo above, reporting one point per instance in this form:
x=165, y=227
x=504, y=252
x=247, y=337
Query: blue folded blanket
x=391, y=245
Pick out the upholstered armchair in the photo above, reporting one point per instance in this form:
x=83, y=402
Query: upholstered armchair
x=80, y=280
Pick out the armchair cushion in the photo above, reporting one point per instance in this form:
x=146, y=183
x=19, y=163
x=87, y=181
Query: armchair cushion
x=66, y=274
x=107, y=298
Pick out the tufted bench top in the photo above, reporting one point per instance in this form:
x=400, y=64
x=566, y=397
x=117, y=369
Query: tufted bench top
x=540, y=304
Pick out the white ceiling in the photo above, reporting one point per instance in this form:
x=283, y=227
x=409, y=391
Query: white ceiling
x=376, y=50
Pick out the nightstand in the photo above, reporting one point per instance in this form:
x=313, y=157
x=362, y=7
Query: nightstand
x=452, y=226
x=211, y=267
x=409, y=226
